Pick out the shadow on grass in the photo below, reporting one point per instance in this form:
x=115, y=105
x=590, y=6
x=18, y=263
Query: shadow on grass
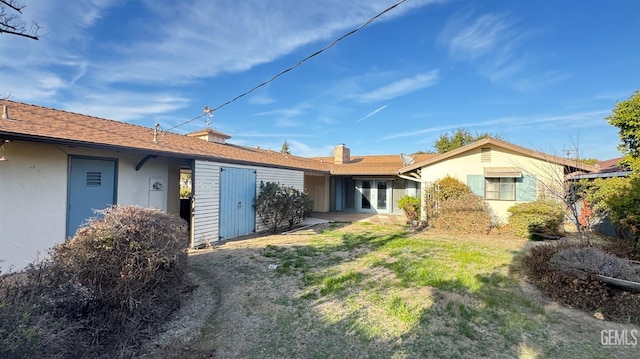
x=370, y=295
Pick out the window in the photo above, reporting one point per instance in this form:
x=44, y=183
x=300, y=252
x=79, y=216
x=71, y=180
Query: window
x=503, y=189
x=507, y=188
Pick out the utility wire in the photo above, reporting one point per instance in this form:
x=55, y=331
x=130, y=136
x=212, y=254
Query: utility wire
x=210, y=112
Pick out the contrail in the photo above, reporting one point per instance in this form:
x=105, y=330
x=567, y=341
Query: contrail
x=372, y=113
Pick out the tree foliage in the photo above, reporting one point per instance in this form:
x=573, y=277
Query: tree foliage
x=624, y=209
x=278, y=205
x=626, y=116
x=285, y=148
x=458, y=138
x=11, y=20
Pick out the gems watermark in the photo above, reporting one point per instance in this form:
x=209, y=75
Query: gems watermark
x=619, y=337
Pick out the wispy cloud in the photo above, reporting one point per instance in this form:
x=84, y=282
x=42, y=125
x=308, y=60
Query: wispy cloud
x=469, y=38
x=557, y=121
x=400, y=87
x=495, y=43
x=372, y=113
x=166, y=42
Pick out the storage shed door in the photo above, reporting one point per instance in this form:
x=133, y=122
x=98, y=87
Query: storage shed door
x=92, y=185
x=237, y=196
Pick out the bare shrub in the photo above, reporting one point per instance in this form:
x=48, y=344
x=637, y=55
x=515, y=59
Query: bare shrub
x=465, y=214
x=557, y=276
x=102, y=293
x=580, y=261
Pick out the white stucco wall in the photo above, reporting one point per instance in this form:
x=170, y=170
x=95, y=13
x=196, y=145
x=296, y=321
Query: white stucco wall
x=470, y=163
x=33, y=195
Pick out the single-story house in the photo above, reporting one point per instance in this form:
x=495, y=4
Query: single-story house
x=502, y=173
x=56, y=167
x=369, y=184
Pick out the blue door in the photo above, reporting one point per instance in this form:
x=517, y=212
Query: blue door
x=92, y=185
x=237, y=195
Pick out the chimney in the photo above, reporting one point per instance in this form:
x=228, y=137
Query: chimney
x=5, y=112
x=341, y=154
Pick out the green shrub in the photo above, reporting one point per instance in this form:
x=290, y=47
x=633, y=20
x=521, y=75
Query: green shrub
x=541, y=216
x=450, y=187
x=278, y=205
x=410, y=205
x=624, y=209
x=466, y=214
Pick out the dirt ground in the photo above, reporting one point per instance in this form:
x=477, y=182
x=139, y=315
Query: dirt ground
x=227, y=310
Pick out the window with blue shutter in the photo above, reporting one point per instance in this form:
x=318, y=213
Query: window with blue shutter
x=476, y=184
x=526, y=188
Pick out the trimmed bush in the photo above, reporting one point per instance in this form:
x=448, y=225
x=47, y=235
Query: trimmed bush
x=466, y=214
x=278, y=205
x=541, y=216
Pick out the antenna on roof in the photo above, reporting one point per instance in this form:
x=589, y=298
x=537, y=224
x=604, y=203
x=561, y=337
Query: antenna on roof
x=209, y=112
x=156, y=129
x=407, y=159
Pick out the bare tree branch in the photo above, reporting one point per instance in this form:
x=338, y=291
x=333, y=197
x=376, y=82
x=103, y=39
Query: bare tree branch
x=12, y=23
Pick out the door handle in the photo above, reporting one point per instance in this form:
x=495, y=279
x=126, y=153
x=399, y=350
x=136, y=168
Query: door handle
x=239, y=206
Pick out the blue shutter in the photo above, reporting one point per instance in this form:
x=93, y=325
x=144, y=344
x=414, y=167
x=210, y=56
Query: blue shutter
x=476, y=183
x=526, y=188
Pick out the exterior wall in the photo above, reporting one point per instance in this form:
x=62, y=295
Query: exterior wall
x=317, y=187
x=34, y=195
x=470, y=163
x=207, y=197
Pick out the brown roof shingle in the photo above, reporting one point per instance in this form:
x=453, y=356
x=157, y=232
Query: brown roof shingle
x=370, y=165
x=36, y=123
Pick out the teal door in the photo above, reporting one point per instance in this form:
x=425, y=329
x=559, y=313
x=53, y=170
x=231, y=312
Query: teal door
x=237, y=196
x=92, y=185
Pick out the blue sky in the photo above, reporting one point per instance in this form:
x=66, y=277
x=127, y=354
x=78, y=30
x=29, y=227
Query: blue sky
x=541, y=74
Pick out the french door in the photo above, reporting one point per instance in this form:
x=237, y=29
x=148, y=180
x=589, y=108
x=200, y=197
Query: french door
x=373, y=196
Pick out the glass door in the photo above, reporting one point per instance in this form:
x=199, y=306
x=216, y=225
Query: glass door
x=373, y=196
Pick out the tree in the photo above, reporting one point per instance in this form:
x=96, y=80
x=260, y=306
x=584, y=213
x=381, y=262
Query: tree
x=11, y=21
x=626, y=116
x=285, y=148
x=460, y=137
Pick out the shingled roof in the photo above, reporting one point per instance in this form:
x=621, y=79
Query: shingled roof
x=370, y=165
x=35, y=123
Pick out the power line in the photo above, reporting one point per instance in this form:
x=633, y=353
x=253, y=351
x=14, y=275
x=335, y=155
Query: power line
x=209, y=111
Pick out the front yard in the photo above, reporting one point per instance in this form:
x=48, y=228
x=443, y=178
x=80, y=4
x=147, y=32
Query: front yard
x=370, y=291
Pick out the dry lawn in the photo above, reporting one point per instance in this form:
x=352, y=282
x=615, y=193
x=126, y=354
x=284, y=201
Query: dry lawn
x=370, y=291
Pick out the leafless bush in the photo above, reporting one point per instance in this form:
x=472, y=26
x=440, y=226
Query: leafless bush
x=466, y=214
x=580, y=261
x=567, y=273
x=102, y=292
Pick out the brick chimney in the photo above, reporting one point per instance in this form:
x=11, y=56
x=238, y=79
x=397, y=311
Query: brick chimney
x=341, y=154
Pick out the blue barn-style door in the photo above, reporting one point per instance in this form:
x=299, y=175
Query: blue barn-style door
x=237, y=196
x=92, y=185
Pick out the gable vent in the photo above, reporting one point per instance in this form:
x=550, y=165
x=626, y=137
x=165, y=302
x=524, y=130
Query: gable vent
x=93, y=178
x=485, y=154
